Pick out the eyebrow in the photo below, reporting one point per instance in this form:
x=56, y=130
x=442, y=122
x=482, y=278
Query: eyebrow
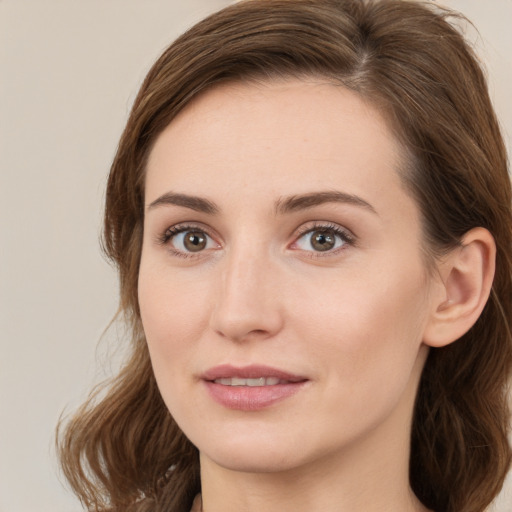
x=305, y=201
x=282, y=206
x=195, y=203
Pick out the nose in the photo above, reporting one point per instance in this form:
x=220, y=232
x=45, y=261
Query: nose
x=249, y=303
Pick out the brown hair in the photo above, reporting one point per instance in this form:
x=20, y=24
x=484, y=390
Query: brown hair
x=123, y=451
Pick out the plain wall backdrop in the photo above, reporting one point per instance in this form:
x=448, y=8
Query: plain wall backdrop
x=69, y=72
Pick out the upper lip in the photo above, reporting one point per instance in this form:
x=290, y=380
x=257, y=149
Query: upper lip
x=253, y=371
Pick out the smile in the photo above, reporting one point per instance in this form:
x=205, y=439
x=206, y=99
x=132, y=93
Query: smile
x=257, y=382
x=250, y=388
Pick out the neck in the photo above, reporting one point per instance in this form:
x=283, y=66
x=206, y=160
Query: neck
x=303, y=491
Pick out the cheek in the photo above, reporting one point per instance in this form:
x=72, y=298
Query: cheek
x=173, y=314
x=370, y=327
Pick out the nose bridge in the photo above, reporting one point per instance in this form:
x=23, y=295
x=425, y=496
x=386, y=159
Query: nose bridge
x=248, y=300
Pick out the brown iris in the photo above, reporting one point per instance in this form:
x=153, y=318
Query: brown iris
x=194, y=241
x=322, y=240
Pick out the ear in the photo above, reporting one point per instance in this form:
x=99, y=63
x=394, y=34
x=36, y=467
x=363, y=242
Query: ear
x=461, y=293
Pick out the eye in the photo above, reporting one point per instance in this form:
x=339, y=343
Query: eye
x=188, y=239
x=323, y=239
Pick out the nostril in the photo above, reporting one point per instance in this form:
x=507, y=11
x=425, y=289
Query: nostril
x=258, y=331
x=240, y=335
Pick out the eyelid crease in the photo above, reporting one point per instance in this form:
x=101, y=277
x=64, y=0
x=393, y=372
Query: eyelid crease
x=346, y=236
x=176, y=229
x=326, y=226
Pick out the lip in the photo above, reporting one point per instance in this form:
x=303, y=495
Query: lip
x=252, y=371
x=251, y=398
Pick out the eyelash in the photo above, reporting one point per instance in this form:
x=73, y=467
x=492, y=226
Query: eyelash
x=176, y=230
x=346, y=237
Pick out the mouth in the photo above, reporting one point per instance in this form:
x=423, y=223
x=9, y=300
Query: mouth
x=250, y=388
x=257, y=382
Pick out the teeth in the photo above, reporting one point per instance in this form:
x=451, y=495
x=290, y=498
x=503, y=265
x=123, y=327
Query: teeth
x=260, y=381
x=256, y=382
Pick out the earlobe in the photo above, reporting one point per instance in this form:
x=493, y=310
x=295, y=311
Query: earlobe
x=466, y=276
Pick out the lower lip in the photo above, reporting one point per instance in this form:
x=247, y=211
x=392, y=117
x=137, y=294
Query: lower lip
x=251, y=398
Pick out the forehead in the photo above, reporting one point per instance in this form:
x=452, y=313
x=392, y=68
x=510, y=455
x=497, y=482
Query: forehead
x=261, y=139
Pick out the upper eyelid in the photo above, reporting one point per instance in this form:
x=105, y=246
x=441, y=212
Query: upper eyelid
x=303, y=228
x=295, y=235
x=184, y=226
x=348, y=238
x=318, y=225
x=163, y=237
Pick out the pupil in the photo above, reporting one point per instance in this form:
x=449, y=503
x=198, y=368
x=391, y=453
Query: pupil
x=195, y=241
x=322, y=241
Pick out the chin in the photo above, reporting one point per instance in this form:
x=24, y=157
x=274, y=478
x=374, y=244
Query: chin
x=255, y=459
x=246, y=452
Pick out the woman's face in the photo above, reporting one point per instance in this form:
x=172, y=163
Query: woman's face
x=282, y=287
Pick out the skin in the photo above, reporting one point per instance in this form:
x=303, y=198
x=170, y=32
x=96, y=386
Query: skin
x=352, y=320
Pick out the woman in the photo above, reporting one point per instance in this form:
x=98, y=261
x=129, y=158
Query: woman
x=310, y=213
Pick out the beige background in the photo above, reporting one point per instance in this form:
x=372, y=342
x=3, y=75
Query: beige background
x=69, y=71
